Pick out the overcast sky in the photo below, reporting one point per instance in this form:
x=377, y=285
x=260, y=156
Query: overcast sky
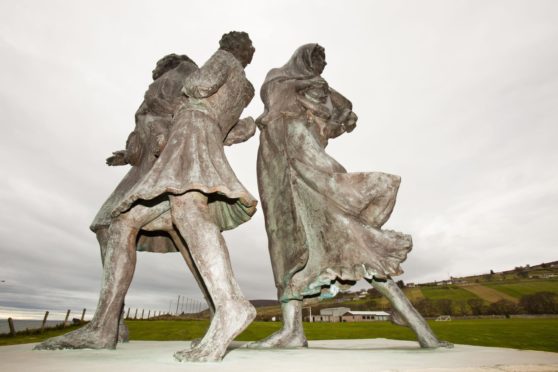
x=459, y=98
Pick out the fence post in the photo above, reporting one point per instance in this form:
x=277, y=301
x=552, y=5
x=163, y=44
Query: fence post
x=149, y=314
x=136, y=315
x=44, y=322
x=66, y=319
x=128, y=314
x=142, y=310
x=82, y=316
x=12, y=328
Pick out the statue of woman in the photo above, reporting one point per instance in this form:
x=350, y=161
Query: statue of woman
x=190, y=188
x=323, y=224
x=143, y=147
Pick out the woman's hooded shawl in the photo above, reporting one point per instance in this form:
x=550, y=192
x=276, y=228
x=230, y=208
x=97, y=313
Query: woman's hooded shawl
x=299, y=67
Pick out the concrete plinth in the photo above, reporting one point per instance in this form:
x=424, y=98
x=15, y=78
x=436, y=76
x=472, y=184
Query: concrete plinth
x=321, y=356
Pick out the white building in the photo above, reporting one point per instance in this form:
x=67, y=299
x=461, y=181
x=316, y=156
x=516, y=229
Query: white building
x=344, y=314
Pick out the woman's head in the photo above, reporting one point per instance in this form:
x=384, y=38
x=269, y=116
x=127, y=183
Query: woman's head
x=169, y=62
x=308, y=61
x=239, y=45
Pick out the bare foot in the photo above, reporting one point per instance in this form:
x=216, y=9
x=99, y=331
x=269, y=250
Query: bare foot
x=445, y=344
x=281, y=339
x=229, y=321
x=434, y=343
x=83, y=338
x=195, y=342
x=197, y=355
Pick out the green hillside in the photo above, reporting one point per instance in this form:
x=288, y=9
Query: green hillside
x=525, y=287
x=450, y=292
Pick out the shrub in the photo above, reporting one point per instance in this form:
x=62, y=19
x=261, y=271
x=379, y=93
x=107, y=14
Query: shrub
x=477, y=306
x=503, y=307
x=540, y=303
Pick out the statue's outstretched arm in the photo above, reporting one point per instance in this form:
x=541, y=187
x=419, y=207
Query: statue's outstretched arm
x=117, y=158
x=131, y=155
x=242, y=131
x=339, y=101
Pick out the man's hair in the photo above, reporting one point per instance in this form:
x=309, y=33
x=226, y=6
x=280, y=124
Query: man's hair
x=169, y=62
x=234, y=40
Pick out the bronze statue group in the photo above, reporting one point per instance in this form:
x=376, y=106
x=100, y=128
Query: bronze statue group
x=323, y=223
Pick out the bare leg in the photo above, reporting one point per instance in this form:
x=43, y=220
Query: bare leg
x=233, y=313
x=102, y=238
x=397, y=319
x=195, y=272
x=292, y=333
x=118, y=270
x=178, y=242
x=409, y=314
x=164, y=223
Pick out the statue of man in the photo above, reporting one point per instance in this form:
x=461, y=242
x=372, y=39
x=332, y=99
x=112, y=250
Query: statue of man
x=190, y=187
x=323, y=223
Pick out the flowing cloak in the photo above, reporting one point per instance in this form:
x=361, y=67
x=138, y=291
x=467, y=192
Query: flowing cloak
x=193, y=157
x=323, y=224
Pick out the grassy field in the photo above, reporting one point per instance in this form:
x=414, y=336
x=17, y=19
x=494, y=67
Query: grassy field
x=519, y=289
x=530, y=334
x=489, y=294
x=413, y=294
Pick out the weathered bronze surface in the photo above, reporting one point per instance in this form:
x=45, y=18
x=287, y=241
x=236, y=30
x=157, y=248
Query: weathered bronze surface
x=323, y=223
x=179, y=195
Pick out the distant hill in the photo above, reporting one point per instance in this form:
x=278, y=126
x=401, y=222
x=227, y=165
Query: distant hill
x=262, y=303
x=547, y=270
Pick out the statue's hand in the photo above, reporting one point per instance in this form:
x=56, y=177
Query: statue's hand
x=117, y=158
x=248, y=122
x=350, y=122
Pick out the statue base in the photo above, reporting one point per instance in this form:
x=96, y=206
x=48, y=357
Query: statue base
x=323, y=356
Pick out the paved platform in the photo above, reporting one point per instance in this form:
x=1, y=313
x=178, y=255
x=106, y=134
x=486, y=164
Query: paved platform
x=321, y=356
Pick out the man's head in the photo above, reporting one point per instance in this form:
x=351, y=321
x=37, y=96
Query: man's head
x=239, y=45
x=169, y=62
